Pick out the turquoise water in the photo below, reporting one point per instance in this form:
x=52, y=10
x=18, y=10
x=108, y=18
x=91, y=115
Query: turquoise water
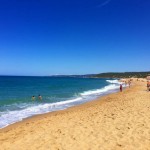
x=57, y=93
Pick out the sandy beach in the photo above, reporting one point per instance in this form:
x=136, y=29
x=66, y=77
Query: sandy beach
x=113, y=122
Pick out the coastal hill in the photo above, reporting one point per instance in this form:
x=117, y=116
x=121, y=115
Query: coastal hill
x=122, y=75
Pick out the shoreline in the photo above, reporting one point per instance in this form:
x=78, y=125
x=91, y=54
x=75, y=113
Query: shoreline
x=94, y=97
x=116, y=121
x=40, y=116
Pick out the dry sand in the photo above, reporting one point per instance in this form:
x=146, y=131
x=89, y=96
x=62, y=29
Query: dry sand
x=119, y=121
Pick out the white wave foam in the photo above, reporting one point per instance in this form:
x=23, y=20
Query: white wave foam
x=113, y=81
x=117, y=82
x=100, y=91
x=10, y=117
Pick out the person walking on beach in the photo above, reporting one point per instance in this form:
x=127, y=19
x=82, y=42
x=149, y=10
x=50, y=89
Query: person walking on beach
x=148, y=85
x=129, y=82
x=125, y=82
x=120, y=87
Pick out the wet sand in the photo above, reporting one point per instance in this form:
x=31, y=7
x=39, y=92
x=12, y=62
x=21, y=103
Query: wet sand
x=113, y=122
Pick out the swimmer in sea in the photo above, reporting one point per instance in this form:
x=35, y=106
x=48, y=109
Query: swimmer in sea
x=33, y=97
x=40, y=97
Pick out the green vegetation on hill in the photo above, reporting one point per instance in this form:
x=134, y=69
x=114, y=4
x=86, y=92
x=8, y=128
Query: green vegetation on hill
x=122, y=75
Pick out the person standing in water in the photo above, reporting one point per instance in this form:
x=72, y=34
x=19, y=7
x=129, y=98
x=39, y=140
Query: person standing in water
x=120, y=87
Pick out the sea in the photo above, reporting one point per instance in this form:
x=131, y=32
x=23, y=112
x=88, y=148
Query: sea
x=57, y=93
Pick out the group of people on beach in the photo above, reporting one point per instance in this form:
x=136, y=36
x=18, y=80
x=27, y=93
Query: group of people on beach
x=39, y=97
x=128, y=82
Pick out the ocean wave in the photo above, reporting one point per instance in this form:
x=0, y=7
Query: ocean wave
x=17, y=115
x=100, y=91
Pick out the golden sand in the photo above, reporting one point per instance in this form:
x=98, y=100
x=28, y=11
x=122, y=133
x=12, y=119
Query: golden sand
x=119, y=121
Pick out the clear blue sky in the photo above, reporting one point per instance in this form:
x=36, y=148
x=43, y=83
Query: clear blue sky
x=45, y=37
